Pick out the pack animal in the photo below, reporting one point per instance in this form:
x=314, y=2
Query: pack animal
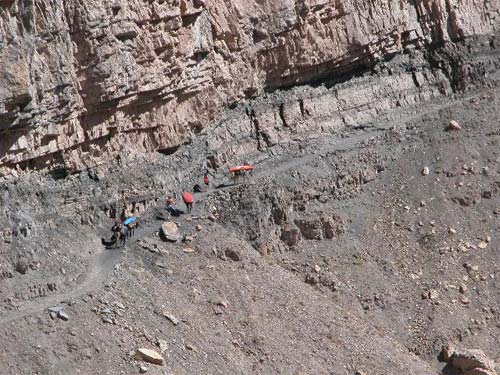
x=120, y=234
x=132, y=227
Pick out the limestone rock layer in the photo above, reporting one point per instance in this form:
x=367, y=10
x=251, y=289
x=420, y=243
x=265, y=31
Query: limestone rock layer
x=82, y=81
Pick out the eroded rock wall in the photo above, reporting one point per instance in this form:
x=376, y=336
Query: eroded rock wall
x=83, y=81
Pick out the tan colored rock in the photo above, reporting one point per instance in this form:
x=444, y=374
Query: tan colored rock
x=170, y=317
x=466, y=360
x=188, y=238
x=162, y=345
x=482, y=245
x=470, y=362
x=425, y=171
x=148, y=355
x=433, y=294
x=453, y=125
x=170, y=231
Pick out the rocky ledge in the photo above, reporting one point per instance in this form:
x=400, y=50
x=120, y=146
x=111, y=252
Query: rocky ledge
x=83, y=81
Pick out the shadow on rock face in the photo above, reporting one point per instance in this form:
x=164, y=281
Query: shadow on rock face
x=450, y=370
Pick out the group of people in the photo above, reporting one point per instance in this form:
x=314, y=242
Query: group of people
x=187, y=197
x=124, y=227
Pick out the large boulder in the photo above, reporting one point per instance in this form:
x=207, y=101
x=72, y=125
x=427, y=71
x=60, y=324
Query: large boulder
x=291, y=236
x=311, y=229
x=319, y=226
x=470, y=361
x=170, y=231
x=467, y=360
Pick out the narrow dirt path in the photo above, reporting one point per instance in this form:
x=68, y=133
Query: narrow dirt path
x=106, y=260
x=99, y=269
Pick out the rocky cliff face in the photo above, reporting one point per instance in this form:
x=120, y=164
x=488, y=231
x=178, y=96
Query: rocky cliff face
x=83, y=81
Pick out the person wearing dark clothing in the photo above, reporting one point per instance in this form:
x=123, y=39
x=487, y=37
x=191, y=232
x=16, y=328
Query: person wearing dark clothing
x=171, y=207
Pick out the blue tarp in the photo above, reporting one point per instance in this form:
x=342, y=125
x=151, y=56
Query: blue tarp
x=130, y=220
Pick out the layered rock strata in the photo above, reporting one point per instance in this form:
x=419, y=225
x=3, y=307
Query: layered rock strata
x=84, y=81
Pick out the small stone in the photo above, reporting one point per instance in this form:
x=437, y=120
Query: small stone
x=199, y=227
x=452, y=230
x=188, y=238
x=143, y=369
x=220, y=302
x=359, y=372
x=105, y=311
x=317, y=268
x=488, y=239
x=211, y=218
x=162, y=345
x=218, y=310
x=433, y=294
x=464, y=300
x=233, y=255
x=453, y=126
x=192, y=348
x=107, y=320
x=482, y=245
x=425, y=171
x=52, y=315
x=62, y=315
x=422, y=204
x=170, y=317
x=188, y=250
x=486, y=194
x=22, y=265
x=56, y=309
x=463, y=288
x=148, y=355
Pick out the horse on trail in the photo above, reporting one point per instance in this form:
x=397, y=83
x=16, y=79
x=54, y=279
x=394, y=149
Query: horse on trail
x=132, y=227
x=120, y=234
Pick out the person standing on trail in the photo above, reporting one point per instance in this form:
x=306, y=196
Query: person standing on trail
x=171, y=206
x=188, y=201
x=117, y=226
x=206, y=181
x=170, y=201
x=204, y=167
